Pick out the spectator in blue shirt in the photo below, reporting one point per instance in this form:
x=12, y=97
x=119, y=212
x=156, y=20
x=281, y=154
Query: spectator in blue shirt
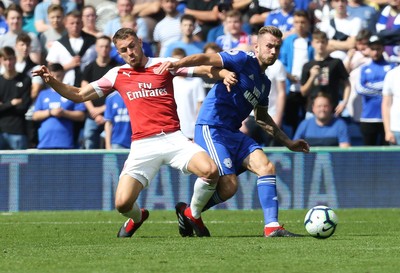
x=57, y=115
x=117, y=127
x=323, y=129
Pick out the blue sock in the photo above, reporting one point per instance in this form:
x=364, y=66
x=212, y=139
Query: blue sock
x=214, y=200
x=268, y=197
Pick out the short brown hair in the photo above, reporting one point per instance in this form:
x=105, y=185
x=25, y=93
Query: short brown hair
x=13, y=7
x=123, y=33
x=24, y=37
x=274, y=31
x=212, y=46
x=55, y=7
x=178, y=51
x=7, y=52
x=319, y=35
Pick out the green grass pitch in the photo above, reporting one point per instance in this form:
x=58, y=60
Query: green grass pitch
x=366, y=240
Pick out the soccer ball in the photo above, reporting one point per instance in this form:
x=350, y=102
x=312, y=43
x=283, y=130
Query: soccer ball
x=320, y=222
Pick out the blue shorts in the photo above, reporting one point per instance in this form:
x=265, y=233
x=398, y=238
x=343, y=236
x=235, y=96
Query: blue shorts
x=227, y=148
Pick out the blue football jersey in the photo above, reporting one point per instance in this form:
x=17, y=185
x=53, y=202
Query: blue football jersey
x=228, y=109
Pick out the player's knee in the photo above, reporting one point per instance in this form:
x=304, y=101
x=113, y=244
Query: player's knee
x=211, y=172
x=266, y=169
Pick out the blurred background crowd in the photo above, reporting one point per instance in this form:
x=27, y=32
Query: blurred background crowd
x=336, y=81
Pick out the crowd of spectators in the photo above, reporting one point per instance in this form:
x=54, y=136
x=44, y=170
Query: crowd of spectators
x=337, y=75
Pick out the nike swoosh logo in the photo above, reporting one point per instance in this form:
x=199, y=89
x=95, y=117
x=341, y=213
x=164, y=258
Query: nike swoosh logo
x=323, y=229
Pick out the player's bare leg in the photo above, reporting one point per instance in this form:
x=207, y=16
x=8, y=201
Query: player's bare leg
x=258, y=163
x=125, y=202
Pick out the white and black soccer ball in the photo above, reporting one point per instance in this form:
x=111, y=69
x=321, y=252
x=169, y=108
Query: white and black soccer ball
x=320, y=222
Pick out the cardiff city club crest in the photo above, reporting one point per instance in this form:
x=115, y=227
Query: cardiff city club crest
x=228, y=162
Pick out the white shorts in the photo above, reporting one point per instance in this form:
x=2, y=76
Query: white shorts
x=148, y=154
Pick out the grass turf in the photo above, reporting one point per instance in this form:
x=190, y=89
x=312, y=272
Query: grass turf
x=366, y=240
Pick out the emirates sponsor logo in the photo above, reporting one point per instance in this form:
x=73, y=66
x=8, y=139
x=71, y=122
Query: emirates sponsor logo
x=146, y=91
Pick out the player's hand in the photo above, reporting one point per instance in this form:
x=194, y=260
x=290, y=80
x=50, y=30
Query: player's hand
x=299, y=145
x=42, y=72
x=230, y=80
x=165, y=66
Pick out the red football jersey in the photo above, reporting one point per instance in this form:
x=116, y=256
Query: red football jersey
x=149, y=97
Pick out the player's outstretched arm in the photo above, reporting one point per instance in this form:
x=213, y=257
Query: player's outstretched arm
x=67, y=91
x=267, y=124
x=211, y=59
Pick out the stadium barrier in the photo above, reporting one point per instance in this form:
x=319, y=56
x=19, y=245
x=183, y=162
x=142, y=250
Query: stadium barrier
x=358, y=177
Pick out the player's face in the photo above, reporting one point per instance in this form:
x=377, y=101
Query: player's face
x=131, y=51
x=267, y=49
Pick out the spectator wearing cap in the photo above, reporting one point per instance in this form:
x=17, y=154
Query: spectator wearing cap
x=370, y=87
x=224, y=6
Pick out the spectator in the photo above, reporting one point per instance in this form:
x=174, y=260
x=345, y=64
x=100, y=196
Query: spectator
x=367, y=14
x=28, y=19
x=205, y=13
x=282, y=18
x=151, y=12
x=41, y=12
x=225, y=6
x=125, y=7
x=74, y=51
x=168, y=29
x=319, y=11
x=117, y=127
x=389, y=20
x=56, y=115
x=89, y=18
x=187, y=41
x=94, y=123
x=55, y=30
x=14, y=20
x=3, y=23
x=235, y=37
x=25, y=65
x=325, y=74
x=189, y=94
x=295, y=52
x=391, y=106
x=14, y=102
x=370, y=87
x=354, y=60
x=341, y=37
x=258, y=12
x=323, y=129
